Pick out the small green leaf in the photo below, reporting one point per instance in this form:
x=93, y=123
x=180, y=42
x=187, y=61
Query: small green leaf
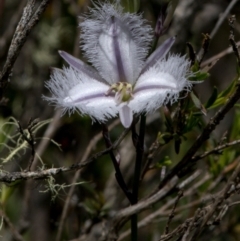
x=229, y=90
x=218, y=102
x=164, y=138
x=198, y=103
x=195, y=67
x=166, y=161
x=199, y=76
x=212, y=98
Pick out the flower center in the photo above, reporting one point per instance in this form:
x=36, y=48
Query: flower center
x=122, y=90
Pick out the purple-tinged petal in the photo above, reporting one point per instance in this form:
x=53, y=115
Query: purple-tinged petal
x=80, y=66
x=161, y=84
x=158, y=54
x=116, y=43
x=126, y=115
x=73, y=90
x=116, y=63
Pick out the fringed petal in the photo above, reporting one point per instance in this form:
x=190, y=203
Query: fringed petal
x=116, y=43
x=161, y=84
x=72, y=91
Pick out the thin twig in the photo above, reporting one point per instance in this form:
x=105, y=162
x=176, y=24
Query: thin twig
x=7, y=35
x=9, y=177
x=171, y=216
x=123, y=215
x=218, y=56
x=162, y=210
x=217, y=201
x=26, y=24
x=29, y=139
x=216, y=150
x=222, y=18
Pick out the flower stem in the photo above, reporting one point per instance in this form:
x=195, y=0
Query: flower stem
x=137, y=173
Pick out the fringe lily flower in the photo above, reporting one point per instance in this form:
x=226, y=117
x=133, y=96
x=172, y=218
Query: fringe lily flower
x=120, y=79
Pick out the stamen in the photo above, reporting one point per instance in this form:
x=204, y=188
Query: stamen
x=123, y=92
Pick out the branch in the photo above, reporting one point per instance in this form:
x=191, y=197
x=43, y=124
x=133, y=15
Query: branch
x=27, y=22
x=227, y=191
x=8, y=177
x=222, y=18
x=215, y=150
x=7, y=35
x=171, y=215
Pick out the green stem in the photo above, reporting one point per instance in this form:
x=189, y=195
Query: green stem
x=137, y=173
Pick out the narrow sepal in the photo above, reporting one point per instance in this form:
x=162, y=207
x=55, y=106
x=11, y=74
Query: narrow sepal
x=80, y=66
x=158, y=54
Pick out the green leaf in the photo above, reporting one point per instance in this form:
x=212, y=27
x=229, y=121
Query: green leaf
x=218, y=102
x=198, y=103
x=213, y=97
x=166, y=161
x=199, y=76
x=195, y=67
x=229, y=90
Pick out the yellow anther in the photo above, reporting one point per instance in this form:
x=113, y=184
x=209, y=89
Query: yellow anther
x=122, y=90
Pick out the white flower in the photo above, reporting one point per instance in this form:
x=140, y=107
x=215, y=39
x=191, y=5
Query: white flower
x=120, y=82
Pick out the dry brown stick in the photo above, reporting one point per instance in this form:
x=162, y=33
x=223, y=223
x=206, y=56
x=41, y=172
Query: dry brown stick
x=218, y=25
x=218, y=56
x=171, y=215
x=15, y=176
x=218, y=200
x=27, y=22
x=7, y=35
x=216, y=150
x=162, y=210
x=123, y=215
x=223, y=17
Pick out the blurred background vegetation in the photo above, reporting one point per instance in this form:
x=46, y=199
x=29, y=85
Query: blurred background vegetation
x=34, y=208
